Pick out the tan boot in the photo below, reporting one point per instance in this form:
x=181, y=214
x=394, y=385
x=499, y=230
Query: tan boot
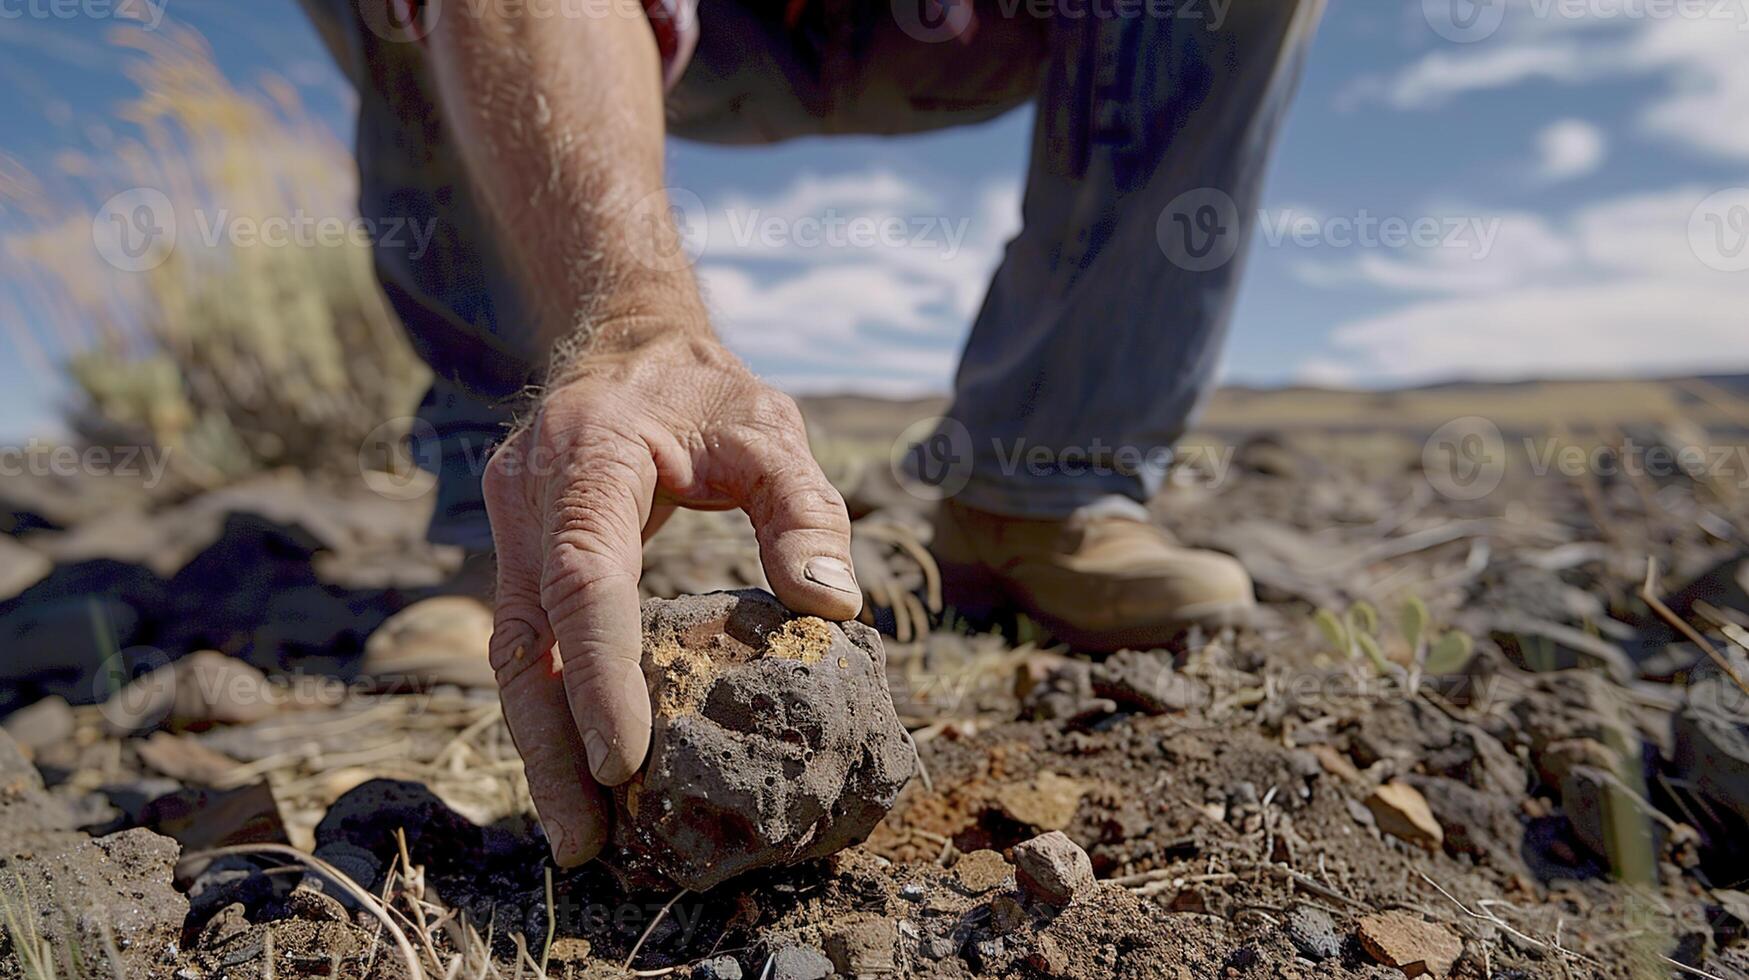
x=1101, y=580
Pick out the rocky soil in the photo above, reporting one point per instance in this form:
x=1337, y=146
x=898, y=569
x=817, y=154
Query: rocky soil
x=327, y=795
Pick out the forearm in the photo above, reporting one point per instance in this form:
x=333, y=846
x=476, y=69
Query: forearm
x=559, y=121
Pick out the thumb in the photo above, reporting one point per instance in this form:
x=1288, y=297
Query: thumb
x=803, y=530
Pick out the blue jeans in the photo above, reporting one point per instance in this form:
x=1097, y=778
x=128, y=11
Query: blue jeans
x=1100, y=332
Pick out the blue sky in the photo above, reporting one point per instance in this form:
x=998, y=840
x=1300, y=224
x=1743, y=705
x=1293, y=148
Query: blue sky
x=1590, y=157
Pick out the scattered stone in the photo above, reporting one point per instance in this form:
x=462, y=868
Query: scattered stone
x=436, y=641
x=1335, y=763
x=774, y=741
x=863, y=947
x=1047, y=802
x=20, y=567
x=1313, y=933
x=30, y=819
x=937, y=947
x=231, y=879
x=718, y=968
x=1006, y=915
x=912, y=891
x=182, y=758
x=1146, y=682
x=360, y=830
x=982, y=871
x=985, y=955
x=202, y=689
x=1615, y=822
x=1401, y=811
x=42, y=724
x=800, y=963
x=1409, y=943
x=1053, y=869
x=199, y=819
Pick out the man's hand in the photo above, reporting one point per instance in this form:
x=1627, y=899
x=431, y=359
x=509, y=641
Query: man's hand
x=622, y=439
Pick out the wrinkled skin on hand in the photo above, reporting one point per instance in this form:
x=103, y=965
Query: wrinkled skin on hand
x=617, y=444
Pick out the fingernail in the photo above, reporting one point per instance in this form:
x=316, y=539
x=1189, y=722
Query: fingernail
x=596, y=746
x=833, y=574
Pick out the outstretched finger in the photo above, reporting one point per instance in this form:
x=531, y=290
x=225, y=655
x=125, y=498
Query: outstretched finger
x=589, y=589
x=570, y=804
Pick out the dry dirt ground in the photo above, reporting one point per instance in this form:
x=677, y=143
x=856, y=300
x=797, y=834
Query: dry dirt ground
x=1569, y=800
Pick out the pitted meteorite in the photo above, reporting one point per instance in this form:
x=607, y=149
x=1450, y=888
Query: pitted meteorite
x=775, y=741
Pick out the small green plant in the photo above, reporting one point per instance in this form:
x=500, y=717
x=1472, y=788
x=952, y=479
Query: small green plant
x=1356, y=633
x=36, y=959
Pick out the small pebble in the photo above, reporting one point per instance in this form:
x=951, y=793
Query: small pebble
x=800, y=963
x=1313, y=933
x=719, y=968
x=937, y=947
x=912, y=891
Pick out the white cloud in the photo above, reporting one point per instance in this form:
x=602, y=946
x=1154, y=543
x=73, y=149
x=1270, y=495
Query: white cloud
x=797, y=285
x=1570, y=148
x=1701, y=59
x=1616, y=288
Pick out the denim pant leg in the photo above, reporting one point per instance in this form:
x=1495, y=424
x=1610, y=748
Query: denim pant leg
x=1101, y=332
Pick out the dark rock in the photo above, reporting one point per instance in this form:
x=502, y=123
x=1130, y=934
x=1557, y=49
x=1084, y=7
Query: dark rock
x=1052, y=868
x=1313, y=933
x=229, y=879
x=366, y=818
x=800, y=963
x=774, y=741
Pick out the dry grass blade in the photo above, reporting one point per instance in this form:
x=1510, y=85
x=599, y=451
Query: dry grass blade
x=651, y=928
x=1648, y=592
x=339, y=878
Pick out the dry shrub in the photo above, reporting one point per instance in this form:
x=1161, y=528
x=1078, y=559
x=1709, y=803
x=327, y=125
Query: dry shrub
x=234, y=358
